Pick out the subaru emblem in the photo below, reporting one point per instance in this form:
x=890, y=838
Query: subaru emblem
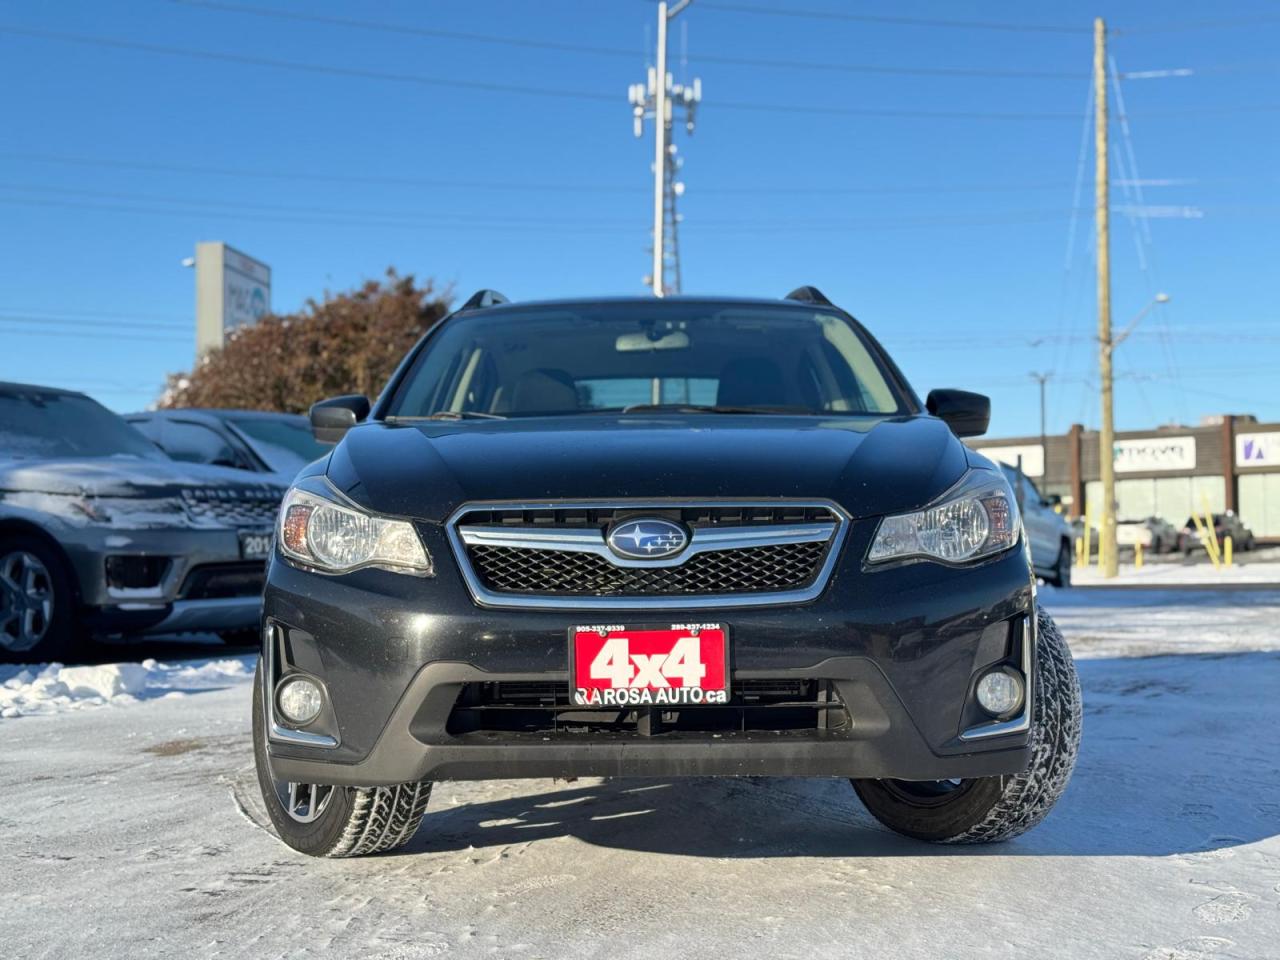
x=647, y=539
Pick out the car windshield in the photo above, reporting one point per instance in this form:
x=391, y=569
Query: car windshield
x=633, y=357
x=42, y=425
x=285, y=443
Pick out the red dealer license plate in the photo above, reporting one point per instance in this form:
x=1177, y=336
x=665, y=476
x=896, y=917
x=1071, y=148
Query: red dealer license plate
x=683, y=664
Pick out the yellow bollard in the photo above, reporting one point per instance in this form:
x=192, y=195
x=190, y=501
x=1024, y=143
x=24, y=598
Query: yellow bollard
x=1137, y=556
x=1079, y=551
x=1208, y=538
x=1226, y=551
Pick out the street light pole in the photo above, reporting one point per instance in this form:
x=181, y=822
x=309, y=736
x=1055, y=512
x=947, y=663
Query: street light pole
x=1042, y=379
x=1108, y=560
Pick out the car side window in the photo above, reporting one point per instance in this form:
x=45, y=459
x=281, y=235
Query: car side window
x=1031, y=492
x=196, y=443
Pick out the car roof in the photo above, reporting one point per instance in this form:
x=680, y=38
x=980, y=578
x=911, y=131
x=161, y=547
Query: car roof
x=655, y=302
x=13, y=387
x=214, y=413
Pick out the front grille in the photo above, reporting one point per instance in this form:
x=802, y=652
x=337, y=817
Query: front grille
x=544, y=707
x=559, y=554
x=783, y=566
x=233, y=507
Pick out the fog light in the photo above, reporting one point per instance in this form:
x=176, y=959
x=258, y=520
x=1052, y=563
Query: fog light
x=299, y=700
x=1000, y=691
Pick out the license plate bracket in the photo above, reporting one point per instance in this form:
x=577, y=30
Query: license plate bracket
x=662, y=665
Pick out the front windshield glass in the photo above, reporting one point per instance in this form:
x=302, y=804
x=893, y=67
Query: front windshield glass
x=39, y=425
x=596, y=358
x=283, y=442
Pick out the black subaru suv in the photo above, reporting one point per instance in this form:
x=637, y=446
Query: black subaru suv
x=643, y=537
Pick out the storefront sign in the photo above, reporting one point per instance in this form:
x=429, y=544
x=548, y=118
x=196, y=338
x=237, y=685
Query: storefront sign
x=1258, y=449
x=1158, y=453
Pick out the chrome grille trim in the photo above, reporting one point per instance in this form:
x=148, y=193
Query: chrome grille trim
x=591, y=540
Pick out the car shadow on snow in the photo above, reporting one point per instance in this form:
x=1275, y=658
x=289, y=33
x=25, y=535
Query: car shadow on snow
x=1175, y=762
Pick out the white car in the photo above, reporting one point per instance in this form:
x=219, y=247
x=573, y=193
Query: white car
x=1048, y=533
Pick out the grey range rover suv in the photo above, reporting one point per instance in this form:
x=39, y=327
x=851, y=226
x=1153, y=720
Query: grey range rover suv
x=101, y=533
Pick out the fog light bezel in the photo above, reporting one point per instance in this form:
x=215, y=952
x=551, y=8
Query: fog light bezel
x=1019, y=680
x=296, y=679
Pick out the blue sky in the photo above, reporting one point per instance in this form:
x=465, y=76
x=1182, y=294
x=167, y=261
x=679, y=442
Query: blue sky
x=947, y=235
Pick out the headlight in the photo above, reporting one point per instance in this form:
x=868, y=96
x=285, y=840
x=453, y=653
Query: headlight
x=339, y=537
x=976, y=518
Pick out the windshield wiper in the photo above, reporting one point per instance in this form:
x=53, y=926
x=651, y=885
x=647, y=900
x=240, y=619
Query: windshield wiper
x=450, y=415
x=710, y=408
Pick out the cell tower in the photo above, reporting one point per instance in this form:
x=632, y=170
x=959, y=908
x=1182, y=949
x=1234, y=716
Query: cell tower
x=658, y=100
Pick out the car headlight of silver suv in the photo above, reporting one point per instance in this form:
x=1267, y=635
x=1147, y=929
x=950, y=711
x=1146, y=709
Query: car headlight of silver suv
x=322, y=530
x=976, y=518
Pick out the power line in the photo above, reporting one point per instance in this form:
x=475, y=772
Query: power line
x=86, y=324
x=549, y=186
x=402, y=29
x=351, y=72
x=583, y=95
x=382, y=26
x=488, y=87
x=804, y=14
x=91, y=335
x=1006, y=26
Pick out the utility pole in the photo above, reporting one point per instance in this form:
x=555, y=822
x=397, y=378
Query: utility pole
x=657, y=99
x=1042, y=379
x=1108, y=558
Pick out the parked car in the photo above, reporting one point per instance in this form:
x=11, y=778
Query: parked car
x=101, y=533
x=655, y=537
x=1224, y=525
x=1048, y=531
x=1156, y=534
x=279, y=444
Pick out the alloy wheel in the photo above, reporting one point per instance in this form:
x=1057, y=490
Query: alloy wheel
x=26, y=601
x=304, y=802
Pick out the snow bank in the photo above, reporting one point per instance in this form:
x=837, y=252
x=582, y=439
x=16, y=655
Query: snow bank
x=52, y=688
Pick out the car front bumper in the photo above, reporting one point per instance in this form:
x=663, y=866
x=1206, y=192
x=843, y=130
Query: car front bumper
x=169, y=605
x=902, y=647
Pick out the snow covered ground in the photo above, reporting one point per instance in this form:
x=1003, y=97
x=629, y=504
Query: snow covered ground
x=1202, y=573
x=134, y=829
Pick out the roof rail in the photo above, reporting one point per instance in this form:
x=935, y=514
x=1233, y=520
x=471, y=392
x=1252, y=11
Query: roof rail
x=484, y=298
x=809, y=295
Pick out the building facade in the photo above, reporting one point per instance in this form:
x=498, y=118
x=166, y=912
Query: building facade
x=1229, y=462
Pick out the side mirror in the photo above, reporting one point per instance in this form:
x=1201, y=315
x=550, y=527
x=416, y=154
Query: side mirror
x=332, y=418
x=967, y=414
x=1054, y=500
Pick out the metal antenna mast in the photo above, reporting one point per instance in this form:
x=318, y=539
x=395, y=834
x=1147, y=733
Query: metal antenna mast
x=658, y=99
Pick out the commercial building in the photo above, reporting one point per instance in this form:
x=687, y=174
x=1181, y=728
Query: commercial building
x=1229, y=462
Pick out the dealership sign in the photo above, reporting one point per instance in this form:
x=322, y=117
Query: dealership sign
x=1159, y=453
x=1258, y=449
x=232, y=290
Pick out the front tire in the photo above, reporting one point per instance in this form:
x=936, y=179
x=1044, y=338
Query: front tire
x=1062, y=567
x=323, y=820
x=38, y=609
x=991, y=809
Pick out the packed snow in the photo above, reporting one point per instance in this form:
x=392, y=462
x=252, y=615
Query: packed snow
x=52, y=688
x=140, y=832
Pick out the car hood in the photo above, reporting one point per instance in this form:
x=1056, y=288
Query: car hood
x=427, y=470
x=124, y=477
